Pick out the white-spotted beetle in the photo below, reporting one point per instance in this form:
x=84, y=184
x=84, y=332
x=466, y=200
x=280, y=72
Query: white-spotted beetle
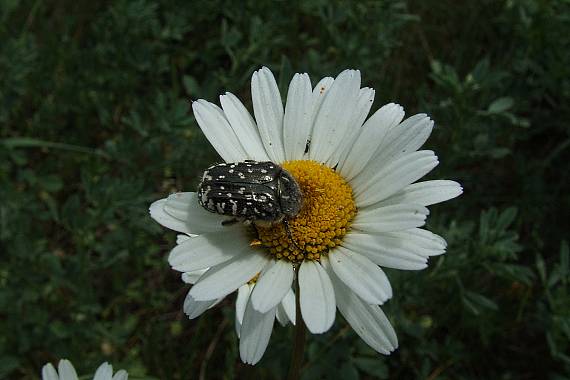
x=250, y=191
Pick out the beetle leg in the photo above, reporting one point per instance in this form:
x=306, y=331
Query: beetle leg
x=290, y=235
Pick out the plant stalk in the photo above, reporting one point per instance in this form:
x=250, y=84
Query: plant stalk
x=300, y=332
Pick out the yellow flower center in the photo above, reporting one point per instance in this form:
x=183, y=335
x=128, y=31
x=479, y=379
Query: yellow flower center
x=328, y=209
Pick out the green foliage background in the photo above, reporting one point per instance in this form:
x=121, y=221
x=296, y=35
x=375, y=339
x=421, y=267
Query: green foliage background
x=95, y=124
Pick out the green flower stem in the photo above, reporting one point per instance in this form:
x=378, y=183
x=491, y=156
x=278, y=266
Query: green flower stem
x=299, y=342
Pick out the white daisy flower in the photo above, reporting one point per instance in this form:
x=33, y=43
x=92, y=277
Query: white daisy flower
x=361, y=208
x=65, y=371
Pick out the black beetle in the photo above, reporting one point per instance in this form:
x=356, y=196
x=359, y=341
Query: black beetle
x=250, y=191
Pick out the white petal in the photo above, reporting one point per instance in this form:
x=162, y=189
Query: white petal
x=318, y=305
x=66, y=370
x=218, y=131
x=185, y=208
x=426, y=193
x=281, y=315
x=49, y=372
x=370, y=139
x=255, y=334
x=407, y=250
x=192, y=277
x=181, y=212
x=194, y=309
x=319, y=93
x=332, y=121
x=390, y=218
x=104, y=372
x=180, y=238
x=404, y=138
x=178, y=206
x=227, y=277
x=425, y=242
x=368, y=321
x=393, y=177
x=286, y=309
x=289, y=306
x=244, y=127
x=209, y=249
x=363, y=105
x=297, y=122
x=384, y=252
x=121, y=375
x=158, y=214
x=242, y=299
x=268, y=110
x=361, y=275
x=273, y=284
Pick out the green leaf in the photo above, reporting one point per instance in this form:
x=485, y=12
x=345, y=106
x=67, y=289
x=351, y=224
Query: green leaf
x=373, y=367
x=564, y=259
x=506, y=218
x=481, y=300
x=541, y=268
x=500, y=105
x=8, y=364
x=51, y=183
x=348, y=371
x=191, y=86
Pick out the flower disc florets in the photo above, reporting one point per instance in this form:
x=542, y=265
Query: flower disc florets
x=328, y=209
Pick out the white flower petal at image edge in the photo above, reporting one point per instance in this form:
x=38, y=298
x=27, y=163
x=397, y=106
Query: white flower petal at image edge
x=378, y=158
x=65, y=371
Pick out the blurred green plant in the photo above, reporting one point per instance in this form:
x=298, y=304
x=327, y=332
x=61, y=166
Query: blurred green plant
x=95, y=123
